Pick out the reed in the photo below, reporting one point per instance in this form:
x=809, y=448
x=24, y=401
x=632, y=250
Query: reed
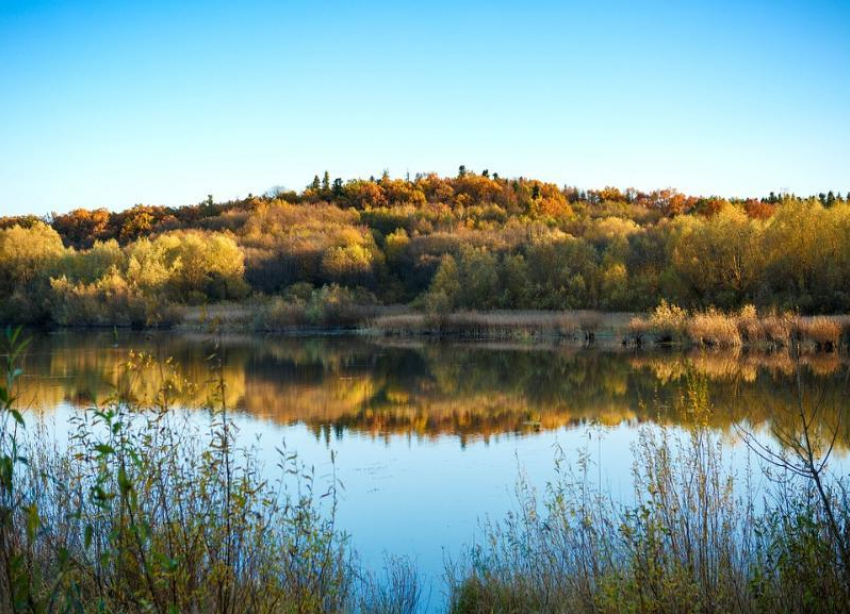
x=665, y=325
x=711, y=328
x=821, y=331
x=714, y=329
x=697, y=537
x=151, y=512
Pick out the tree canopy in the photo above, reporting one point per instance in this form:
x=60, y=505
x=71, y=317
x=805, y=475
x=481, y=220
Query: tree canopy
x=474, y=241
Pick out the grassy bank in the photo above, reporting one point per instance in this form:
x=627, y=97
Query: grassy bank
x=667, y=325
x=581, y=326
x=336, y=309
x=150, y=512
x=698, y=537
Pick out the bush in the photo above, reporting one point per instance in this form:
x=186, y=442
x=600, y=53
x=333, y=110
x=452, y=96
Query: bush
x=667, y=324
x=108, y=302
x=714, y=329
x=823, y=332
x=328, y=307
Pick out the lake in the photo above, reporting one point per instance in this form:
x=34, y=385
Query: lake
x=429, y=438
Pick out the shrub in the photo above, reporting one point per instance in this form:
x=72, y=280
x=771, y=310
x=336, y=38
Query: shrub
x=666, y=324
x=714, y=329
x=329, y=306
x=108, y=302
x=692, y=541
x=823, y=332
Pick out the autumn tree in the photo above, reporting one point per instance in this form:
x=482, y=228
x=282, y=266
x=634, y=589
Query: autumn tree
x=28, y=258
x=81, y=228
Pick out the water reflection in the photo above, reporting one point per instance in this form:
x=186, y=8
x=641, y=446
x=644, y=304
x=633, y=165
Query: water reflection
x=380, y=388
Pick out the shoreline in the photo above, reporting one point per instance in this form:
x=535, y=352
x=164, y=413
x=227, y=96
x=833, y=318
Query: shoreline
x=666, y=328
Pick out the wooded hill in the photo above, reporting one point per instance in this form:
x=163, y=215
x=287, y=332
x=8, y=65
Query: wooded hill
x=474, y=241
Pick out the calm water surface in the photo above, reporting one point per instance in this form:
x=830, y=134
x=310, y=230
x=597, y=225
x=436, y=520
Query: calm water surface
x=430, y=438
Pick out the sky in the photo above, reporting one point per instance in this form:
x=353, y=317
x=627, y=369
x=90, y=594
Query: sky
x=110, y=104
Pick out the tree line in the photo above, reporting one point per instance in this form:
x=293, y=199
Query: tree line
x=473, y=241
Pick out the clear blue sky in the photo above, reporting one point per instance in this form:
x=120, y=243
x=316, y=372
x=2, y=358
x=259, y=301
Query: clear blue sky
x=162, y=102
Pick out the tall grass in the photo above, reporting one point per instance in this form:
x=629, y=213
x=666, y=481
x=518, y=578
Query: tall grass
x=823, y=332
x=696, y=538
x=711, y=328
x=666, y=325
x=152, y=512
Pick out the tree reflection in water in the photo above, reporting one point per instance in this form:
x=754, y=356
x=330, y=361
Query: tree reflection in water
x=429, y=390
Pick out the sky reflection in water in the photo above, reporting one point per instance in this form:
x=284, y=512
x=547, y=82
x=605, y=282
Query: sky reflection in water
x=430, y=438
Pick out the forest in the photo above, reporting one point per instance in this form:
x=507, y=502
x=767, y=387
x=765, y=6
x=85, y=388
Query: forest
x=475, y=241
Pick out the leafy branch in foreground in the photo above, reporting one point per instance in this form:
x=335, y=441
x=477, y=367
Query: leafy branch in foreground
x=805, y=443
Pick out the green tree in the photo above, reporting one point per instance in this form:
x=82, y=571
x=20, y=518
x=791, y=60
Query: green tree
x=442, y=295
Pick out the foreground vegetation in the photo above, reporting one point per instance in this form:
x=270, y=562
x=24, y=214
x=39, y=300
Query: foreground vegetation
x=143, y=512
x=331, y=254
x=698, y=538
